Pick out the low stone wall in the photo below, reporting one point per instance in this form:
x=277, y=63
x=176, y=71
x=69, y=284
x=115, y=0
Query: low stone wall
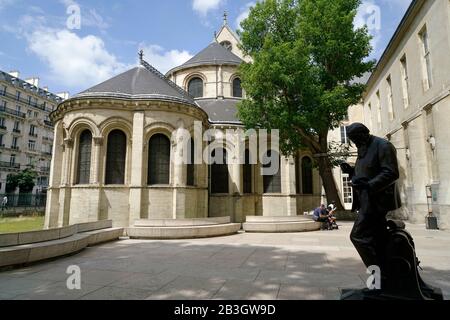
x=22, y=238
x=280, y=224
x=181, y=222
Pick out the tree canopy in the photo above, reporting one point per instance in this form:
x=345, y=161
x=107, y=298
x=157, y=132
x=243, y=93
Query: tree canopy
x=305, y=56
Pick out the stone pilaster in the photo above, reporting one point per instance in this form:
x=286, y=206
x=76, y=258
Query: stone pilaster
x=64, y=192
x=137, y=164
x=289, y=185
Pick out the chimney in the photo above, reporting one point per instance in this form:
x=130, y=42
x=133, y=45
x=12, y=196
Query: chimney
x=14, y=74
x=63, y=95
x=33, y=81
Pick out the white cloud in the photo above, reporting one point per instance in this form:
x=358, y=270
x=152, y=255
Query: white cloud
x=162, y=59
x=245, y=11
x=74, y=61
x=369, y=14
x=204, y=6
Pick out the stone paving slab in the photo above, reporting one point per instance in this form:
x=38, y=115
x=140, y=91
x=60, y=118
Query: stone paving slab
x=295, y=266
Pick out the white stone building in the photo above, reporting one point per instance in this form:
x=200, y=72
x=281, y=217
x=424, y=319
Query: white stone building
x=26, y=132
x=113, y=152
x=408, y=102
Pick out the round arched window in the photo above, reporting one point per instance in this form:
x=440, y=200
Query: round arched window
x=227, y=45
x=237, y=88
x=195, y=87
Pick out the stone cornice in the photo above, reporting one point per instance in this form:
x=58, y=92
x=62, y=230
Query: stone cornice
x=76, y=104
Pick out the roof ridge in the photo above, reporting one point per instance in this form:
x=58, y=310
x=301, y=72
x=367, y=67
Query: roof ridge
x=152, y=69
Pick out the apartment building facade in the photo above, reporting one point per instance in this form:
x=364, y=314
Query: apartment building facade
x=26, y=132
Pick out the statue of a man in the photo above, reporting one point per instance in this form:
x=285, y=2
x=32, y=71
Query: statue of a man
x=375, y=193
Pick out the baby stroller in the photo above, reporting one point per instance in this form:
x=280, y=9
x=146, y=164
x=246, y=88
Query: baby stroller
x=332, y=224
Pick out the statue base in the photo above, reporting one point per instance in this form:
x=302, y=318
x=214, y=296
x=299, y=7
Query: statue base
x=380, y=295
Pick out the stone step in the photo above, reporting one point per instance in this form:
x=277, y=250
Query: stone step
x=280, y=227
x=183, y=232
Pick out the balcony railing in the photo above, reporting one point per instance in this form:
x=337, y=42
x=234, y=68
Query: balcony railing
x=3, y=128
x=17, y=131
x=40, y=106
x=47, y=139
x=15, y=148
x=48, y=123
x=34, y=135
x=5, y=164
x=13, y=112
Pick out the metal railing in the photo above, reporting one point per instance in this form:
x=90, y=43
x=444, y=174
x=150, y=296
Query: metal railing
x=13, y=112
x=24, y=200
x=40, y=106
x=6, y=164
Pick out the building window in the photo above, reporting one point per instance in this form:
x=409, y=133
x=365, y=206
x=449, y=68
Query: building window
x=115, y=158
x=426, y=59
x=378, y=108
x=390, y=98
x=247, y=173
x=32, y=145
x=227, y=45
x=12, y=160
x=405, y=81
x=347, y=190
x=3, y=91
x=272, y=183
x=159, y=160
x=33, y=131
x=84, y=157
x=2, y=123
x=191, y=165
x=219, y=171
x=14, y=145
x=1, y=140
x=237, y=88
x=17, y=95
x=307, y=175
x=344, y=138
x=195, y=87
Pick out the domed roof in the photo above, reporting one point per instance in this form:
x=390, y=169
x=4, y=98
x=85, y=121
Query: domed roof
x=143, y=82
x=214, y=54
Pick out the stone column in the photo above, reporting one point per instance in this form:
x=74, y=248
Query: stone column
x=289, y=185
x=220, y=82
x=64, y=191
x=237, y=186
x=97, y=163
x=137, y=163
x=179, y=175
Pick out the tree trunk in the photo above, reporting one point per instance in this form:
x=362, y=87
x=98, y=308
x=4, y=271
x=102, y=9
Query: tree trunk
x=326, y=173
x=329, y=184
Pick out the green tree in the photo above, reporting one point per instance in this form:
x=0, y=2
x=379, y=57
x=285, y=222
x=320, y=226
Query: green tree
x=24, y=180
x=305, y=54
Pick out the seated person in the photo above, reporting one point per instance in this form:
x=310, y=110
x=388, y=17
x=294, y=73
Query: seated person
x=321, y=214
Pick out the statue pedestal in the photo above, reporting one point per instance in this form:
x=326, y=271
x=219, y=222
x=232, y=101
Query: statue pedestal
x=366, y=294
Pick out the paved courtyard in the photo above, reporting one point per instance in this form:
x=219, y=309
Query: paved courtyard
x=312, y=265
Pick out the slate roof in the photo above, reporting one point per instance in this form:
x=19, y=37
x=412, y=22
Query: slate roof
x=220, y=110
x=142, y=82
x=213, y=54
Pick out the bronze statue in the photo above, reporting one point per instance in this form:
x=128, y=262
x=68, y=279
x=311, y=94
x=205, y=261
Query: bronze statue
x=379, y=242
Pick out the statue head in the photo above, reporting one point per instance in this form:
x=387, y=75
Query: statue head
x=358, y=133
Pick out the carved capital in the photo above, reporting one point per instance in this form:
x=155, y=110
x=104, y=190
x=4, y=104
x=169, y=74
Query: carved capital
x=68, y=143
x=98, y=141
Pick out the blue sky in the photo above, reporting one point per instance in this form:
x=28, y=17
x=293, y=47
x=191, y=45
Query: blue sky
x=36, y=40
